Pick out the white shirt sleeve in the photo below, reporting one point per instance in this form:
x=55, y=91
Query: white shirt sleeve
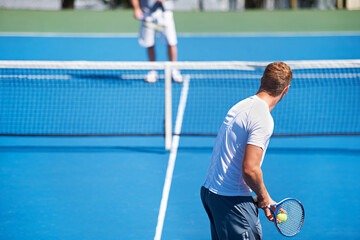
x=261, y=127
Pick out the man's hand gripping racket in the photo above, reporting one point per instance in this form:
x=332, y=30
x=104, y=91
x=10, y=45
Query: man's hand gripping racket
x=288, y=216
x=149, y=21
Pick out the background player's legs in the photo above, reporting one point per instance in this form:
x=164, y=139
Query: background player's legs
x=151, y=53
x=147, y=40
x=172, y=53
x=152, y=76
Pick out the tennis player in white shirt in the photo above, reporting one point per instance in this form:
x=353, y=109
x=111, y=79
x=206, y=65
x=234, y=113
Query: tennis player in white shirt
x=235, y=168
x=163, y=16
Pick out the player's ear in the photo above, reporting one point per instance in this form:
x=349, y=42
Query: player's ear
x=286, y=89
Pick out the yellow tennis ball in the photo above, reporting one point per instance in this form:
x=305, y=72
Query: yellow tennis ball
x=282, y=217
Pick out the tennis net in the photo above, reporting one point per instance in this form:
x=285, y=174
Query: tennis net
x=111, y=98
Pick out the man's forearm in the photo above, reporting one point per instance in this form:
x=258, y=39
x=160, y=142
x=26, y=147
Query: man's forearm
x=252, y=173
x=254, y=179
x=135, y=4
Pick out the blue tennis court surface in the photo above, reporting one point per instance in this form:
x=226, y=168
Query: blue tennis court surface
x=76, y=189
x=191, y=48
x=111, y=187
x=321, y=171
x=96, y=188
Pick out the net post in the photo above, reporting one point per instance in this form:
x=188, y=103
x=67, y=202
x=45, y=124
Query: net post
x=168, y=107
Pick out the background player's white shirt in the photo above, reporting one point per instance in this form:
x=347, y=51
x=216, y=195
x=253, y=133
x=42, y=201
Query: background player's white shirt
x=146, y=5
x=248, y=122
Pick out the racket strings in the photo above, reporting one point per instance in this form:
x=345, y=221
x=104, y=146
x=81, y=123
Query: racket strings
x=295, y=217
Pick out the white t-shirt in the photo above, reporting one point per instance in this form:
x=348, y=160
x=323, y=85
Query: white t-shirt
x=146, y=5
x=248, y=122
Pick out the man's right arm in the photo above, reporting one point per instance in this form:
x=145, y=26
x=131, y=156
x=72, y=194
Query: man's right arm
x=252, y=175
x=138, y=14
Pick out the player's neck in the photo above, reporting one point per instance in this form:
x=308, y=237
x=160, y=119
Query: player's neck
x=270, y=100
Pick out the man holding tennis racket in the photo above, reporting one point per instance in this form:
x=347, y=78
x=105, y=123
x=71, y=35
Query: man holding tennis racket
x=157, y=16
x=235, y=167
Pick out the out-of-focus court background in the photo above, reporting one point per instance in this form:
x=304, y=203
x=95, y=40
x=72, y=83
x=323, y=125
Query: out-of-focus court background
x=111, y=187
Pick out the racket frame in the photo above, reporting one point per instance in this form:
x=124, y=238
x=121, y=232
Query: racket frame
x=155, y=26
x=148, y=21
x=278, y=209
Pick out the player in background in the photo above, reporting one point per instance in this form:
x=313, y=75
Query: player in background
x=147, y=35
x=235, y=168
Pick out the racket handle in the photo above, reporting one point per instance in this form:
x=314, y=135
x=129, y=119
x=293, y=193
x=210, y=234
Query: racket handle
x=256, y=201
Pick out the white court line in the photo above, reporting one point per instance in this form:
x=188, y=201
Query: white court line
x=183, y=35
x=47, y=77
x=172, y=158
x=329, y=75
x=270, y=34
x=68, y=35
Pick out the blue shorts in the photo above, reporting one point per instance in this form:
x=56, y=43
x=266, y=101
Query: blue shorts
x=231, y=217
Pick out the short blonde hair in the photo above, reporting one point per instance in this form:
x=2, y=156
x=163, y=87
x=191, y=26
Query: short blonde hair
x=277, y=76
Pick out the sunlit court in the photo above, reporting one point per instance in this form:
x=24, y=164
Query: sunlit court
x=98, y=142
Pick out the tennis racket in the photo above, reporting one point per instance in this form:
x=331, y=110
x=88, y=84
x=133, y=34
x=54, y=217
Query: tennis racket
x=294, y=212
x=149, y=21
